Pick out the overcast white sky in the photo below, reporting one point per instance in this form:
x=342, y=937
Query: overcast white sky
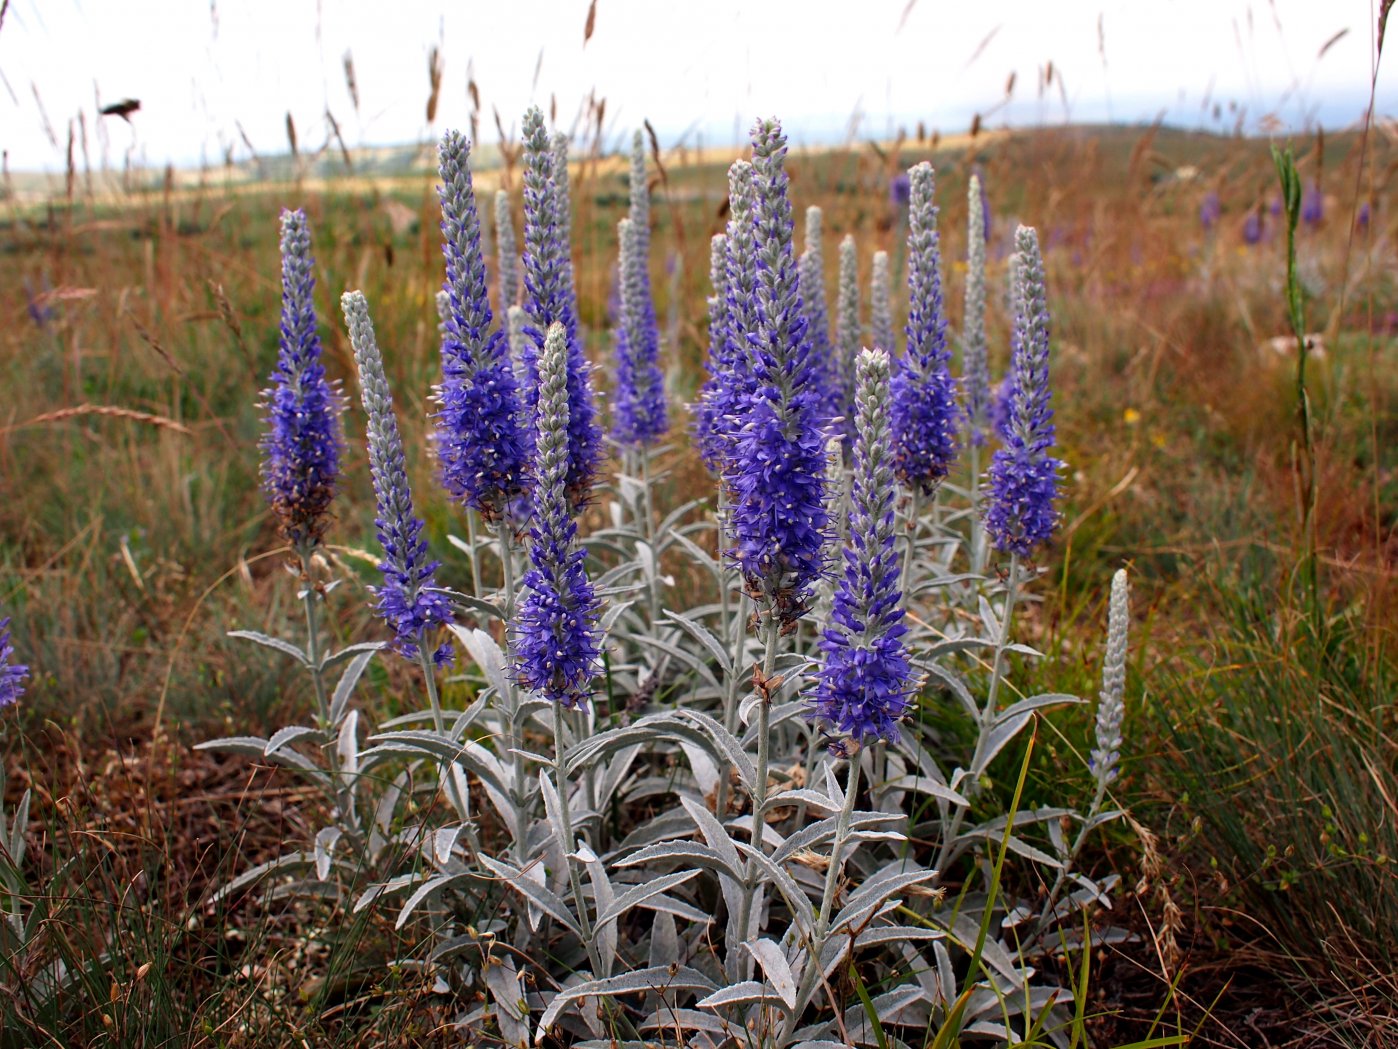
x=201, y=68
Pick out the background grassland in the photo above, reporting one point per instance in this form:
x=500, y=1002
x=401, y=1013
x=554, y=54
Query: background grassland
x=139, y=326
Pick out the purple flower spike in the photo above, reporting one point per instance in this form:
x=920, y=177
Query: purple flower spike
x=640, y=416
x=728, y=393
x=409, y=601
x=778, y=477
x=555, y=629
x=709, y=427
x=1023, y=480
x=900, y=190
x=12, y=674
x=549, y=299
x=925, y=413
x=301, y=448
x=1210, y=211
x=481, y=445
x=1252, y=227
x=1313, y=205
x=865, y=680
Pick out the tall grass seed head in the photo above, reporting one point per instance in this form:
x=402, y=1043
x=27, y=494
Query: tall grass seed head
x=303, y=440
x=409, y=600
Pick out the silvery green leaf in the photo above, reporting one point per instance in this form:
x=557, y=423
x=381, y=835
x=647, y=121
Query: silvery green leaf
x=486, y=608
x=545, y=899
x=706, y=774
x=923, y=785
x=511, y=1010
x=666, y=904
x=727, y=747
x=800, y=795
x=964, y=932
x=669, y=527
x=957, y=686
x=1045, y=699
x=553, y=810
x=344, y=688
x=485, y=653
x=702, y=634
x=657, y=979
x=946, y=975
x=1024, y=650
x=887, y=1006
x=813, y=834
x=714, y=835
x=820, y=1043
x=256, y=747
x=326, y=838
x=773, y=961
x=1104, y=817
x=871, y=895
x=604, y=897
x=791, y=892
x=940, y=582
x=988, y=617
x=284, y=647
x=347, y=746
x=350, y=651
x=444, y=750
x=286, y=862
x=697, y=554
x=667, y=1019
x=444, y=841
x=736, y=994
x=664, y=942
x=683, y=852
x=881, y=934
x=612, y=614
x=17, y=828
x=1000, y=736
x=290, y=734
x=617, y=770
x=426, y=889
x=689, y=659
x=637, y=895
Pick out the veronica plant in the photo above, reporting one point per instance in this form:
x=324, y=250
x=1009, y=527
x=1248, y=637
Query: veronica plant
x=881, y=306
x=811, y=274
x=506, y=253
x=550, y=298
x=848, y=334
x=975, y=363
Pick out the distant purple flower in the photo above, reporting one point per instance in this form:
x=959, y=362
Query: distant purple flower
x=900, y=190
x=925, y=412
x=555, y=629
x=549, y=299
x=1252, y=227
x=40, y=312
x=301, y=446
x=481, y=444
x=1210, y=211
x=864, y=681
x=409, y=601
x=1274, y=206
x=778, y=480
x=1023, y=479
x=985, y=204
x=1361, y=218
x=1313, y=205
x=12, y=674
x=639, y=417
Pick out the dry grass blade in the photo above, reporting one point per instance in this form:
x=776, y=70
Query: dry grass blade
x=109, y=411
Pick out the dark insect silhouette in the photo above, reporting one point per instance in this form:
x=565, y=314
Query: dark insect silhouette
x=122, y=109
